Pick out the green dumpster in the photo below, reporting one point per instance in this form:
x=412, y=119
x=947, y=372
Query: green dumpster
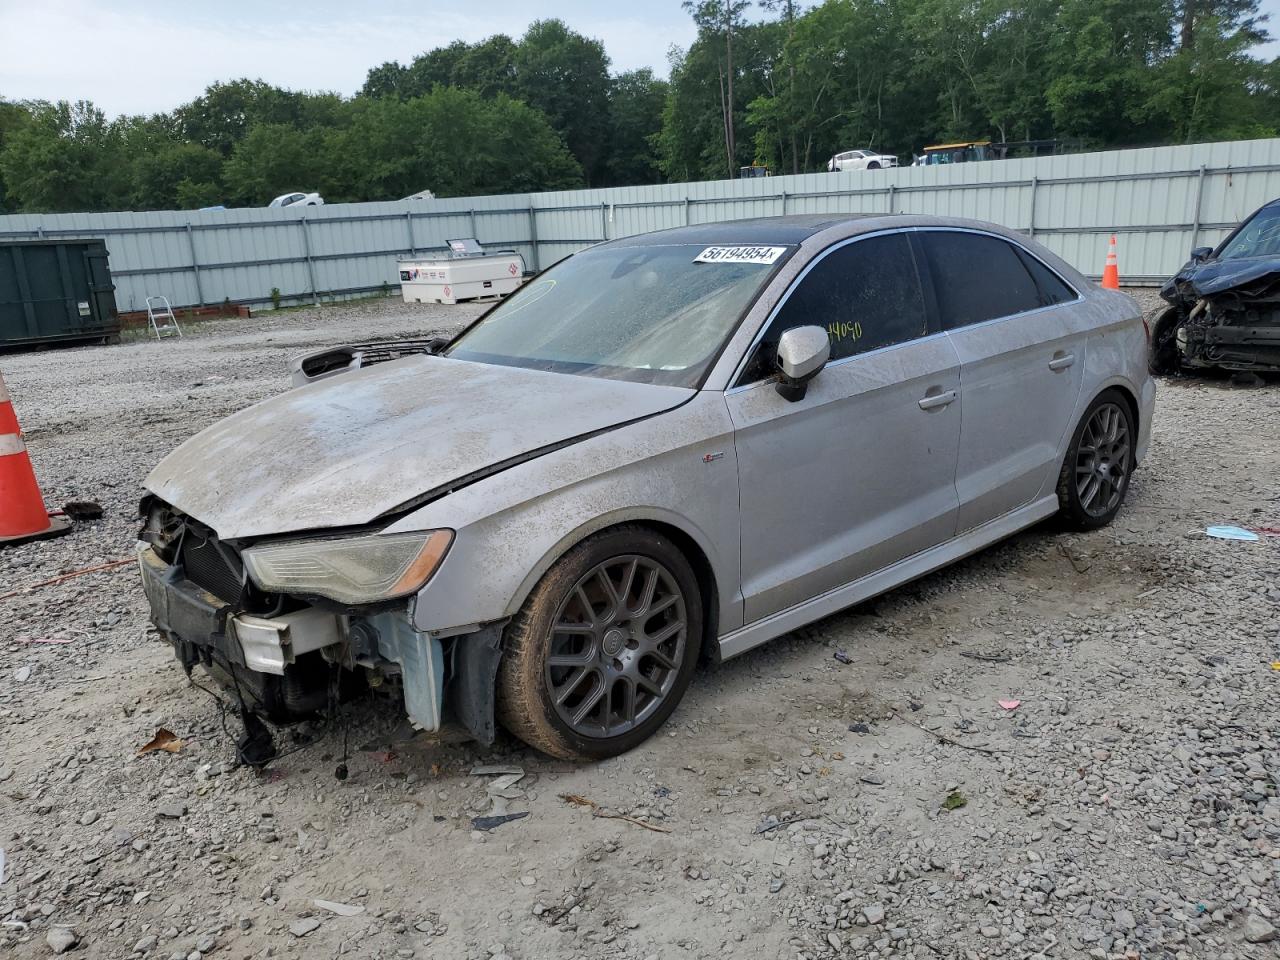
x=56, y=291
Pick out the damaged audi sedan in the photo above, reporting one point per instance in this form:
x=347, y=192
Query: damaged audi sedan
x=665, y=448
x=1224, y=308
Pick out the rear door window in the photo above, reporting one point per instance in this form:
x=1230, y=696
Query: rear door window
x=977, y=277
x=866, y=295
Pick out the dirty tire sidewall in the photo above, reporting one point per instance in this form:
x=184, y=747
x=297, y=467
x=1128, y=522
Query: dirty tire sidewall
x=524, y=705
x=1070, y=510
x=1162, y=353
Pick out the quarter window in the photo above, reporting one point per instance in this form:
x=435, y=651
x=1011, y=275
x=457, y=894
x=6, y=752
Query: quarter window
x=978, y=277
x=866, y=295
x=1053, y=289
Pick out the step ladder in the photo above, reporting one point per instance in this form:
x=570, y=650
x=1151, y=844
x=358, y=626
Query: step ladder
x=161, y=319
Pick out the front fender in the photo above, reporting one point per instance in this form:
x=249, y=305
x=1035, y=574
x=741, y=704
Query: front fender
x=678, y=468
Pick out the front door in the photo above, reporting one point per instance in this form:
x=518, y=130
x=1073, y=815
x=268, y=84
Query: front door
x=859, y=473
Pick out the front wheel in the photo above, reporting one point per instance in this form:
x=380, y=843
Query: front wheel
x=1099, y=462
x=603, y=648
x=1162, y=356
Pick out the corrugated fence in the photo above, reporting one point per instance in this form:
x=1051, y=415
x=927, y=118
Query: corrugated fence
x=1160, y=202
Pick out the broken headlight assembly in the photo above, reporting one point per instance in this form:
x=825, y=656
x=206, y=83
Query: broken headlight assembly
x=350, y=570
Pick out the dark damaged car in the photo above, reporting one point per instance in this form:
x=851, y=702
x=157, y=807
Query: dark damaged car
x=1224, y=308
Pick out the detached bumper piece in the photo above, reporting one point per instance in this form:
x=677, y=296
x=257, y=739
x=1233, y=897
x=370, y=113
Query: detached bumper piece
x=267, y=658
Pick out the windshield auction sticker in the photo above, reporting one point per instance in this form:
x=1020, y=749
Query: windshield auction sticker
x=739, y=255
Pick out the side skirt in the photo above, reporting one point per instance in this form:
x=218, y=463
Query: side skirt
x=904, y=571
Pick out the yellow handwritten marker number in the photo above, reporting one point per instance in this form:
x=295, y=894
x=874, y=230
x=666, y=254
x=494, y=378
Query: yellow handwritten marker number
x=843, y=330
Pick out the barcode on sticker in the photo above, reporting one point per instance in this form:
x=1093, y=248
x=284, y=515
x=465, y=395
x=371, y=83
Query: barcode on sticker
x=739, y=255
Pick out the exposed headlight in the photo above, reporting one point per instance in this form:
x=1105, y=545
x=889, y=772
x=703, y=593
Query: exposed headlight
x=353, y=570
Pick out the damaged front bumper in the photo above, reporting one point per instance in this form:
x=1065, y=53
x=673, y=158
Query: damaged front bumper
x=1223, y=315
x=290, y=661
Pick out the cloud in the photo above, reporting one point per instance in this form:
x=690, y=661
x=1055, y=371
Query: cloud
x=135, y=58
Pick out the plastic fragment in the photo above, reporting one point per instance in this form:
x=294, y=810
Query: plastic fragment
x=490, y=823
x=1231, y=533
x=1010, y=704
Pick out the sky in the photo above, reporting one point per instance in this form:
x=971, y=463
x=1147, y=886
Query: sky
x=148, y=56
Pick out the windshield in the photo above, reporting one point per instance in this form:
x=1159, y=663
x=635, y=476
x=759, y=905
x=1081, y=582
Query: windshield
x=1259, y=237
x=653, y=314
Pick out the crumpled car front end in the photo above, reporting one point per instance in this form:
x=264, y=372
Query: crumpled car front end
x=280, y=550
x=1224, y=308
x=291, y=627
x=1235, y=326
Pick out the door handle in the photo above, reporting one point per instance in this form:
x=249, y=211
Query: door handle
x=933, y=401
x=1062, y=360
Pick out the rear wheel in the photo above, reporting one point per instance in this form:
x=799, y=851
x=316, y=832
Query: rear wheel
x=1095, y=474
x=604, y=647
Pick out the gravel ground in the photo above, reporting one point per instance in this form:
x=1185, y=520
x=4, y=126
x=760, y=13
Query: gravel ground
x=888, y=807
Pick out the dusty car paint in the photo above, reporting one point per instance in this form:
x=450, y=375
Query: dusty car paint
x=391, y=433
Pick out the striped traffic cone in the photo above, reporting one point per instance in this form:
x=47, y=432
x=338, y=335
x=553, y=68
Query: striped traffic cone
x=1111, y=272
x=23, y=516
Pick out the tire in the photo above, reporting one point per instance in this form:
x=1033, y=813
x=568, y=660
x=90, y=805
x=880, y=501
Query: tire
x=1099, y=464
x=1162, y=354
x=873, y=165
x=613, y=677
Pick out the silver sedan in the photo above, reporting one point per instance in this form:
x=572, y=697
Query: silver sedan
x=665, y=448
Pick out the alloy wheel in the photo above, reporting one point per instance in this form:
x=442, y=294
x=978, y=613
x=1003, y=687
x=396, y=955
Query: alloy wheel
x=1102, y=460
x=616, y=645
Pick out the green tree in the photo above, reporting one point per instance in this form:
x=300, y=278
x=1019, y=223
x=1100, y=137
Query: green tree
x=386, y=80
x=67, y=157
x=1207, y=91
x=172, y=175
x=566, y=76
x=12, y=116
x=723, y=19
x=1101, y=59
x=271, y=159
x=222, y=116
x=636, y=100
x=450, y=141
x=488, y=67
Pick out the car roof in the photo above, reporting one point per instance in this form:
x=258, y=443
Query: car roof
x=760, y=230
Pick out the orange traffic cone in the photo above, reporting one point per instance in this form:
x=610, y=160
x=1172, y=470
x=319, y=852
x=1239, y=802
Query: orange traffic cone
x=1111, y=272
x=23, y=516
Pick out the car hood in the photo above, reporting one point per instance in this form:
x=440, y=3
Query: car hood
x=1211, y=277
x=346, y=450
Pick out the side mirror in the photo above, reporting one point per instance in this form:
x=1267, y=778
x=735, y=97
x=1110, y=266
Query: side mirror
x=802, y=353
x=1201, y=254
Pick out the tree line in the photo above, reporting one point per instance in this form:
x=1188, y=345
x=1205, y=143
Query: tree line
x=775, y=82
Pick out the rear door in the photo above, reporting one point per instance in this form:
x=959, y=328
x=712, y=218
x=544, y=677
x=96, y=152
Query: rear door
x=1021, y=349
x=860, y=472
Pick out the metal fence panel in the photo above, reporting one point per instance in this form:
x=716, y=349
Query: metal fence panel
x=1159, y=201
